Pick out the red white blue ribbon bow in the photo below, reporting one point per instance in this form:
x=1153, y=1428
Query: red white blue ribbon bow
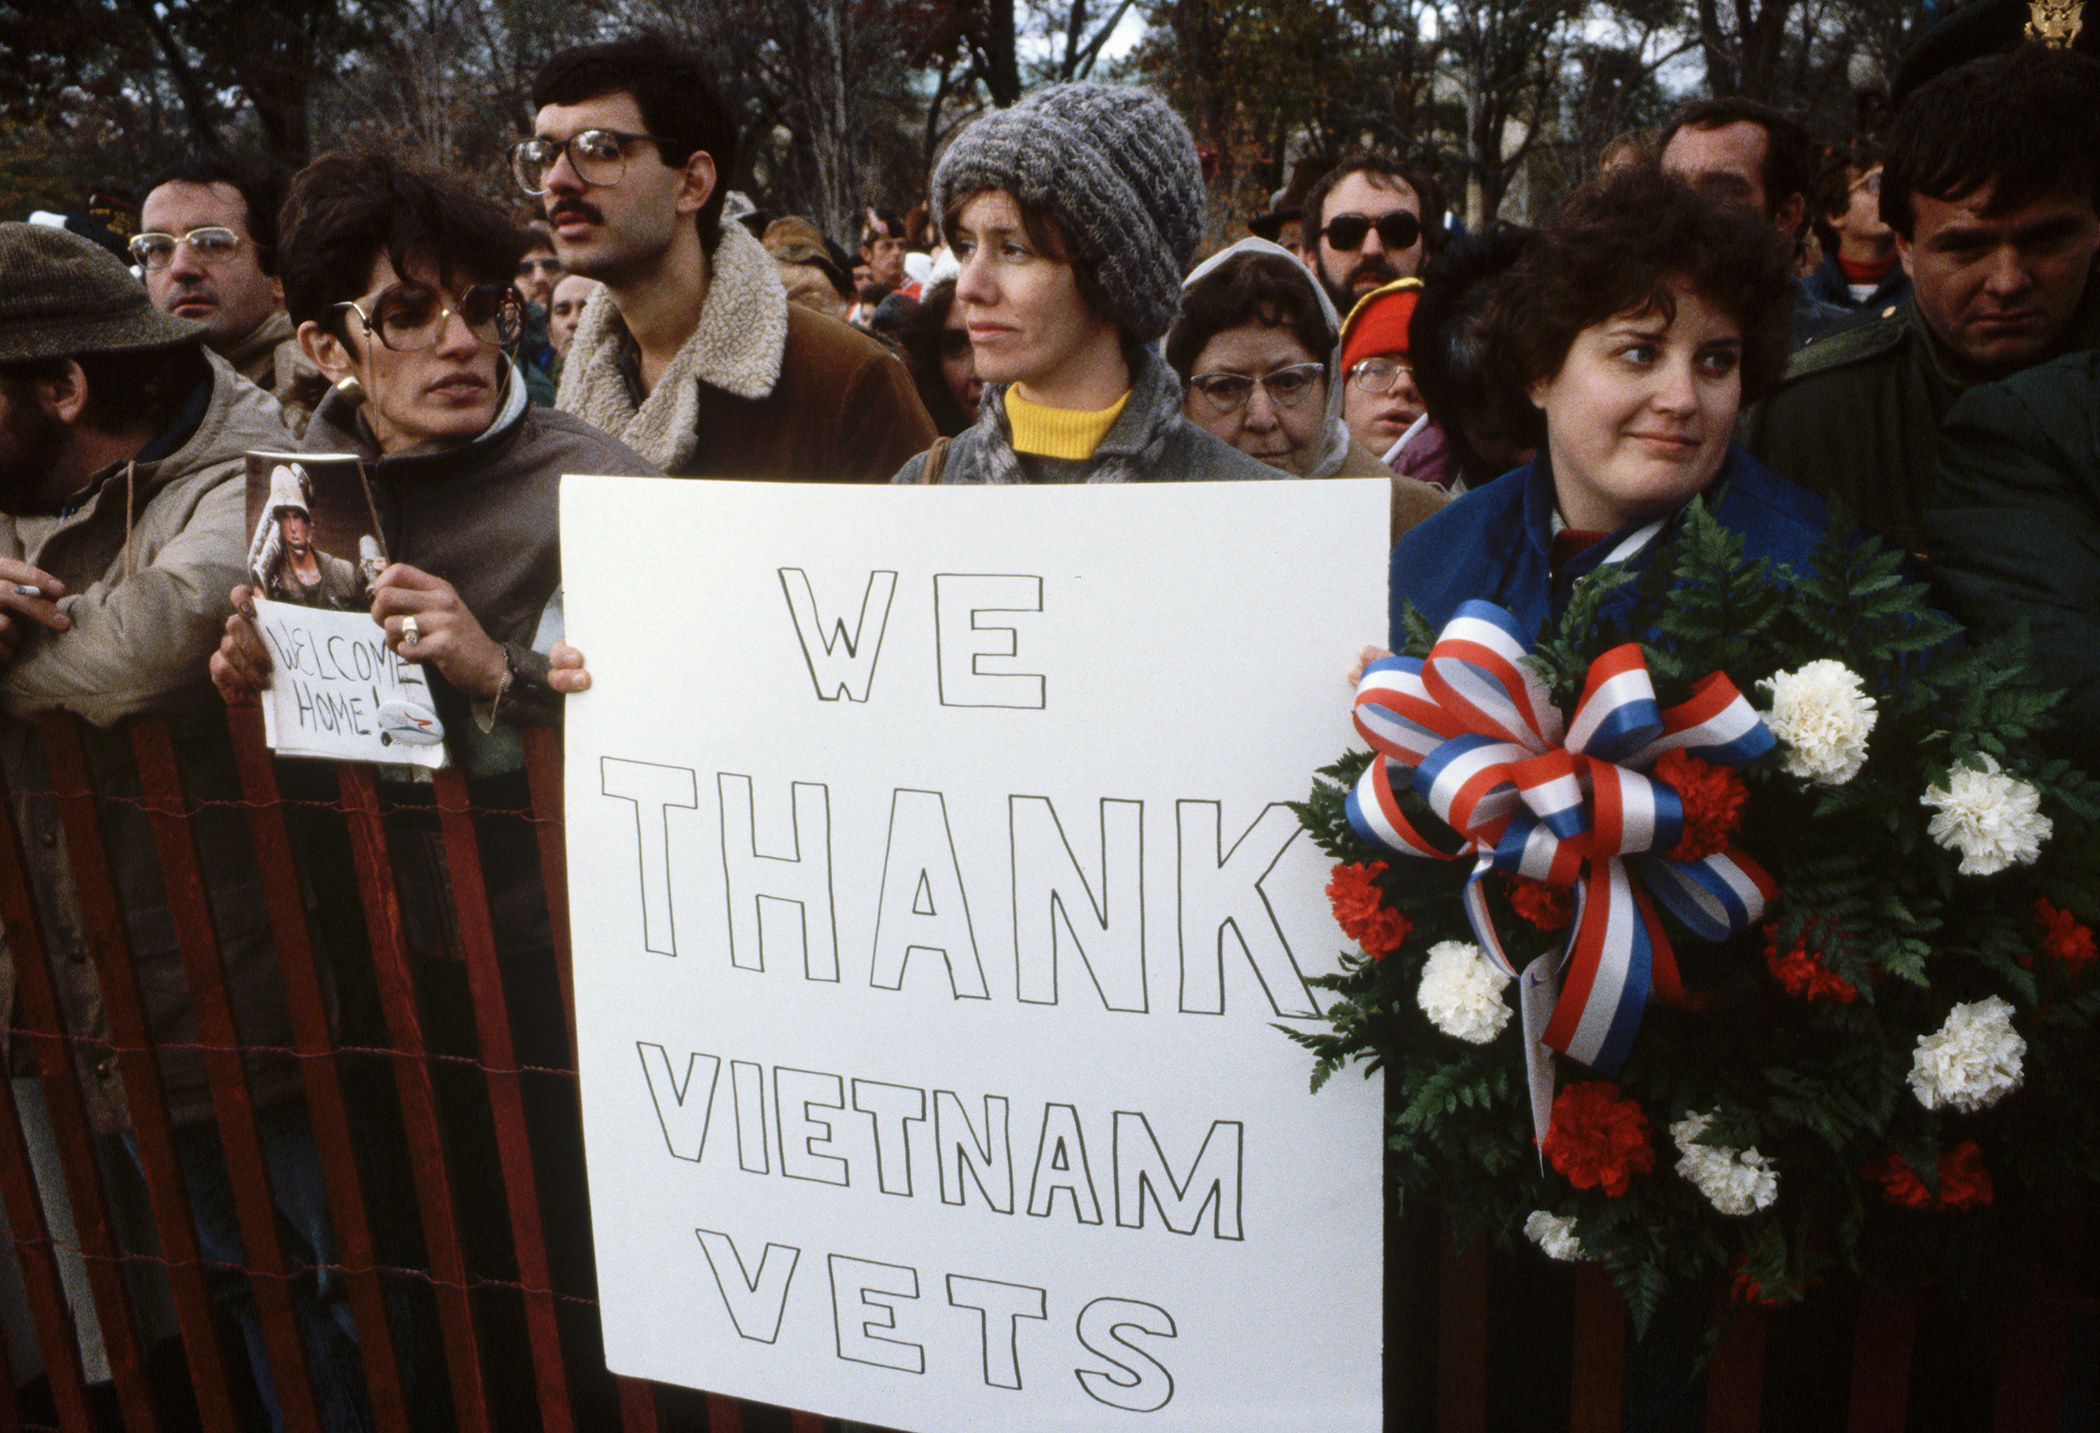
x=1473, y=729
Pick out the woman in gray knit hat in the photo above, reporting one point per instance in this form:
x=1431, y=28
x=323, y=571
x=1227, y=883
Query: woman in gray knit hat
x=1074, y=215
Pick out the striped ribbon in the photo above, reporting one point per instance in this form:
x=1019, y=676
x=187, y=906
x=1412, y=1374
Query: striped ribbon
x=1474, y=731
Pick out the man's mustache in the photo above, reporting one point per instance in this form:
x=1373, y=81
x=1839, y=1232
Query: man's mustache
x=1379, y=268
x=577, y=208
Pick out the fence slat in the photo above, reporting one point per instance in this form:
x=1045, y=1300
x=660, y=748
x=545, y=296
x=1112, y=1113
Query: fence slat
x=1597, y=1396
x=543, y=775
x=233, y=1103
x=724, y=1414
x=137, y=1064
x=506, y=1099
x=397, y=994
x=2031, y=1369
x=1461, y=1337
x=1735, y=1377
x=324, y=1093
x=1881, y=1350
x=37, y=1016
x=57, y=1337
x=637, y=1405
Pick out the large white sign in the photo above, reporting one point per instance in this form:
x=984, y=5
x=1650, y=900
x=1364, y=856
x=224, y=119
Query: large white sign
x=934, y=909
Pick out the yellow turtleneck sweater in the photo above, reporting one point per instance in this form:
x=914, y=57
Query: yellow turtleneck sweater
x=1058, y=432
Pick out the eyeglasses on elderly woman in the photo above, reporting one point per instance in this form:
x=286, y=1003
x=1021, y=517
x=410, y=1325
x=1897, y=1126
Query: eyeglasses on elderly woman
x=1286, y=387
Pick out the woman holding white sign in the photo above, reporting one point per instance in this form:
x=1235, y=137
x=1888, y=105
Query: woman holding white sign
x=1074, y=214
x=400, y=285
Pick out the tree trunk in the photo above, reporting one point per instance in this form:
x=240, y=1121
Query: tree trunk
x=1003, y=77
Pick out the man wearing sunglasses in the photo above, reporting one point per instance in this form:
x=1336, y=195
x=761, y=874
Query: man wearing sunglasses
x=1370, y=221
x=693, y=355
x=208, y=248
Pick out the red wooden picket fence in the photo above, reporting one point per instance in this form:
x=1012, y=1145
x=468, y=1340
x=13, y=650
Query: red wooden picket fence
x=1446, y=1372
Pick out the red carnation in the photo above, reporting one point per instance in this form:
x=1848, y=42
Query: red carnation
x=1713, y=798
x=1899, y=1182
x=2064, y=940
x=1963, y=1181
x=1746, y=1290
x=1360, y=909
x=1596, y=1138
x=1802, y=973
x=1547, y=906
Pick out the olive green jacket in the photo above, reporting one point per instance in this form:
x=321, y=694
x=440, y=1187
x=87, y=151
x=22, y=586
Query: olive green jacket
x=1857, y=416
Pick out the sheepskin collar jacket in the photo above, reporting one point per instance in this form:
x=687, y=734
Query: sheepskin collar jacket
x=761, y=389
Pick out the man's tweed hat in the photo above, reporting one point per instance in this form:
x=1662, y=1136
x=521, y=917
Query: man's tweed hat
x=62, y=296
x=1115, y=167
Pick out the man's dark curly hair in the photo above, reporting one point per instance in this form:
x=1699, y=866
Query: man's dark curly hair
x=1616, y=246
x=344, y=211
x=2023, y=123
x=672, y=87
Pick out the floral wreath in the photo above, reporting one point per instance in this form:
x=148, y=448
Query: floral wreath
x=1711, y=990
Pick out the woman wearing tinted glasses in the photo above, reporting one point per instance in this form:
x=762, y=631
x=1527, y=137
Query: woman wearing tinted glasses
x=400, y=285
x=1073, y=215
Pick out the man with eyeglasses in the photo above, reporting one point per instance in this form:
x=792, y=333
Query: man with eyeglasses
x=1861, y=269
x=1370, y=221
x=693, y=355
x=208, y=247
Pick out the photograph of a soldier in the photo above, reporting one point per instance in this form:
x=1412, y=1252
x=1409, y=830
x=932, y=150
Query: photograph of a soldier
x=298, y=533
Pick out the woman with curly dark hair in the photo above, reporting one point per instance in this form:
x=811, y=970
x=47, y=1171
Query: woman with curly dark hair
x=1645, y=319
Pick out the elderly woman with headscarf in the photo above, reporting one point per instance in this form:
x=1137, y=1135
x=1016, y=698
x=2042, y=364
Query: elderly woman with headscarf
x=1254, y=345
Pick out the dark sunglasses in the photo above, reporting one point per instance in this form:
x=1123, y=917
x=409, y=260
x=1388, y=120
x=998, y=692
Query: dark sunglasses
x=1397, y=230
x=410, y=316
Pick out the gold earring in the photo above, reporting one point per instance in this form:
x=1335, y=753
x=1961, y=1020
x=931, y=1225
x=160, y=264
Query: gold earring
x=353, y=392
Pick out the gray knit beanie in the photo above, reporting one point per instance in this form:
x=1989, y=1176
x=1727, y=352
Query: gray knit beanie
x=62, y=296
x=1115, y=167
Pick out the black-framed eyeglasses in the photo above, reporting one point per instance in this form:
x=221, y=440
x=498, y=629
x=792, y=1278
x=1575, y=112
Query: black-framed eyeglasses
x=528, y=267
x=1378, y=375
x=409, y=316
x=1397, y=230
x=1286, y=387
x=599, y=157
x=212, y=244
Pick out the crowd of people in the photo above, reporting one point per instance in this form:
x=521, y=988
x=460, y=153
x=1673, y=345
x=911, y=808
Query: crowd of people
x=1908, y=335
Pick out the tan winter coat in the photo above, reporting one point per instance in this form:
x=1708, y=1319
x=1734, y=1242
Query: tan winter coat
x=147, y=608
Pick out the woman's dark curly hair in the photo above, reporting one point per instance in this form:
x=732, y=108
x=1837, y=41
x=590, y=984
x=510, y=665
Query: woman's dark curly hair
x=1615, y=246
x=1270, y=289
x=344, y=211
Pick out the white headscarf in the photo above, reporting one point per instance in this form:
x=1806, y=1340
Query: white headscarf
x=1334, y=445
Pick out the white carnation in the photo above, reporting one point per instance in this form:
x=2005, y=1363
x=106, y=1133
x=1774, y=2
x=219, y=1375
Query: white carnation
x=1972, y=1061
x=1823, y=718
x=1555, y=1236
x=1734, y=1181
x=1994, y=820
x=1461, y=992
